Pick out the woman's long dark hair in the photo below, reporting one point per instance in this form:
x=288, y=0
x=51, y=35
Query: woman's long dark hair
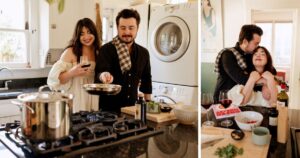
x=75, y=41
x=269, y=65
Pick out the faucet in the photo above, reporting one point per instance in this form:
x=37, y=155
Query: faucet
x=165, y=96
x=5, y=68
x=7, y=81
x=5, y=85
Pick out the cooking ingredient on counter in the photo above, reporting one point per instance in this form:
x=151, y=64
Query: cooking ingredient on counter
x=237, y=134
x=252, y=121
x=229, y=151
x=153, y=107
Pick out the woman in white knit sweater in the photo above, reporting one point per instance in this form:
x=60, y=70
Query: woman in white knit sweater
x=264, y=75
x=69, y=75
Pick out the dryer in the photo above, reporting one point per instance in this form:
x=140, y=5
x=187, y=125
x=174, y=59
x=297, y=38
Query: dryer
x=173, y=43
x=173, y=48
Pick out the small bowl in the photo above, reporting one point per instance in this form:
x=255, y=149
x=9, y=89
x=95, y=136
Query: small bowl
x=237, y=134
x=165, y=108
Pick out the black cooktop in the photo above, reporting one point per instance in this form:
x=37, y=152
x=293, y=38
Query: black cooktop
x=90, y=131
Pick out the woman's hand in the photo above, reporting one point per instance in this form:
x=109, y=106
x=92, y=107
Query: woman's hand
x=268, y=76
x=254, y=76
x=78, y=70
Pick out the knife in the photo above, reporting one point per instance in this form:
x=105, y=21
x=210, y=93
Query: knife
x=210, y=143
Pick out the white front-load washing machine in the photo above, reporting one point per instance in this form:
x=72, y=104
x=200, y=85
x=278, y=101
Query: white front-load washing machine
x=173, y=43
x=173, y=48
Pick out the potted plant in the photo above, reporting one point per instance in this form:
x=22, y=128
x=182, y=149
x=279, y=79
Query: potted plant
x=61, y=4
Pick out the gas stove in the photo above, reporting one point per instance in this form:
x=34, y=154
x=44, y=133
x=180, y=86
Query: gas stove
x=90, y=131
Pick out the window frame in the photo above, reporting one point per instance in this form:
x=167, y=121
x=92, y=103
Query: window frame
x=272, y=52
x=29, y=18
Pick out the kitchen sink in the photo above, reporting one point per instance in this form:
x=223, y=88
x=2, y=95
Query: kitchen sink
x=9, y=94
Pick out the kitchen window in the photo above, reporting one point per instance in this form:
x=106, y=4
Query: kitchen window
x=277, y=26
x=14, y=36
x=277, y=39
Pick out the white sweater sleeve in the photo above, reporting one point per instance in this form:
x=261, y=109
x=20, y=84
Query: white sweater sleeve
x=53, y=77
x=235, y=94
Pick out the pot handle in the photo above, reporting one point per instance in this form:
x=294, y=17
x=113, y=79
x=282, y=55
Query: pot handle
x=43, y=87
x=20, y=105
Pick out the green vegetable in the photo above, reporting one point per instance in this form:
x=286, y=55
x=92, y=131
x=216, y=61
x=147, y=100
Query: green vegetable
x=229, y=151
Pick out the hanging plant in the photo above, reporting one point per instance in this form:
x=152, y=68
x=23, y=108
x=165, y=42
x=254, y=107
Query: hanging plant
x=61, y=4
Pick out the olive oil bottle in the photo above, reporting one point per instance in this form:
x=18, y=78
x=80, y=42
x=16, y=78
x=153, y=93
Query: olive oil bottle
x=282, y=97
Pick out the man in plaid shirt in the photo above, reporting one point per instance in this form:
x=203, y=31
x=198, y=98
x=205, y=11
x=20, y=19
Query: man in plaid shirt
x=233, y=65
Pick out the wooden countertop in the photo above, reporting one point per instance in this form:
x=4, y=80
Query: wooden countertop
x=249, y=148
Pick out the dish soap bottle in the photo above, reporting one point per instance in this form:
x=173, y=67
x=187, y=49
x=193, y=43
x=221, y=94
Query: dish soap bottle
x=282, y=97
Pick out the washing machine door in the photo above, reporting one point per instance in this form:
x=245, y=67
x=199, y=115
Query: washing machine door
x=170, y=39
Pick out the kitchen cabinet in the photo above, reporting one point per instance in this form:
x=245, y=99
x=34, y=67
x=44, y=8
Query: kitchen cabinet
x=8, y=111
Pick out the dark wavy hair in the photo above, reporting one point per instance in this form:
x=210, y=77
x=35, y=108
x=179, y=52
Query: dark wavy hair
x=269, y=65
x=75, y=41
x=128, y=13
x=247, y=32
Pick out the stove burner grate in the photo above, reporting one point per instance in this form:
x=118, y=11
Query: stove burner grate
x=129, y=127
x=90, y=131
x=96, y=133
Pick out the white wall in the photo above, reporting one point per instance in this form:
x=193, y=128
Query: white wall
x=233, y=18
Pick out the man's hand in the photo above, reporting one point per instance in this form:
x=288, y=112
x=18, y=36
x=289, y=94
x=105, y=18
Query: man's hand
x=106, y=77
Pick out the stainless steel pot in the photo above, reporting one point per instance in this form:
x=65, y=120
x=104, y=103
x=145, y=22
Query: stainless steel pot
x=45, y=115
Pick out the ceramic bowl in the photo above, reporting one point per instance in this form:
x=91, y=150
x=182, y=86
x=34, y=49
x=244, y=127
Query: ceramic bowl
x=247, y=120
x=186, y=114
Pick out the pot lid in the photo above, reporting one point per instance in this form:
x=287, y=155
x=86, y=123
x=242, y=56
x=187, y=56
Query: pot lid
x=40, y=96
x=44, y=97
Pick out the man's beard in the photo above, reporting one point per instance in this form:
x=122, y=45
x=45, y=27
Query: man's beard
x=127, y=42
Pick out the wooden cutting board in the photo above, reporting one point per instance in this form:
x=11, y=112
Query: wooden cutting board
x=162, y=117
x=250, y=149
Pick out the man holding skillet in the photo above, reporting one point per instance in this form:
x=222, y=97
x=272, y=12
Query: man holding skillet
x=124, y=62
x=233, y=65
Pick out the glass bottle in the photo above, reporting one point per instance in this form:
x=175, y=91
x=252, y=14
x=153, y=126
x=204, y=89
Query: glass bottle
x=141, y=109
x=273, y=121
x=282, y=97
